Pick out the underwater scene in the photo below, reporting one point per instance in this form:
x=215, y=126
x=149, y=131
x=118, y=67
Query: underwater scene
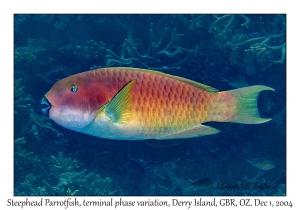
x=199, y=110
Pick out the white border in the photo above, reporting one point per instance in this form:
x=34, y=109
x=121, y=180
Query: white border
x=8, y=8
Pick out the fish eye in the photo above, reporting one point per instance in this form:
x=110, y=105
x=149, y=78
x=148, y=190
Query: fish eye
x=73, y=88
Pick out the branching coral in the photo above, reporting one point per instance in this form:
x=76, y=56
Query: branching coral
x=229, y=23
x=157, y=49
x=90, y=50
x=222, y=25
x=22, y=101
x=29, y=54
x=26, y=187
x=260, y=47
x=27, y=157
x=265, y=48
x=23, y=158
x=60, y=163
x=87, y=183
x=69, y=176
x=63, y=176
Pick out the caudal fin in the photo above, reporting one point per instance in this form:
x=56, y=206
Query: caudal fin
x=247, y=111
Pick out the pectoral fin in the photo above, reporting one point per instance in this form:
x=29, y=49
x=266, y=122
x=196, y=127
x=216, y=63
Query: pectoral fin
x=118, y=109
x=197, y=131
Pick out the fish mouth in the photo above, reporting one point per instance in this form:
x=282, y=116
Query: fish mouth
x=48, y=105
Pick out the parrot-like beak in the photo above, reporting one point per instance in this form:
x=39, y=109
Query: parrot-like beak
x=48, y=106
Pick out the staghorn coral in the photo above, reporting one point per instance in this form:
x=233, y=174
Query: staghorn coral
x=268, y=49
x=152, y=58
x=231, y=19
x=222, y=26
x=249, y=40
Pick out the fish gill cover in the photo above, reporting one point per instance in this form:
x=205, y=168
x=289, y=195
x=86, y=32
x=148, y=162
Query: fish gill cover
x=51, y=160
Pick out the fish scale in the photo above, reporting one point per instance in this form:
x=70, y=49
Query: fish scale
x=183, y=97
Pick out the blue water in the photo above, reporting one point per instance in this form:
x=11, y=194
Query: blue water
x=51, y=160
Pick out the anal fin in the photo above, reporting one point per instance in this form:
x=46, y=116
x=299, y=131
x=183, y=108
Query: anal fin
x=197, y=131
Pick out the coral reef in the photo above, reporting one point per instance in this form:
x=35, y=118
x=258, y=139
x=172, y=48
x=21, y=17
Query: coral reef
x=268, y=49
x=260, y=48
x=163, y=48
x=19, y=19
x=28, y=55
x=60, y=25
x=63, y=175
x=22, y=101
x=90, y=50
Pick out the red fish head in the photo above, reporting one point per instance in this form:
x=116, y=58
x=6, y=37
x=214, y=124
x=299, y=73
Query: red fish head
x=73, y=102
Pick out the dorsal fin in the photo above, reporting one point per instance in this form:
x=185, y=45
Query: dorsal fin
x=190, y=82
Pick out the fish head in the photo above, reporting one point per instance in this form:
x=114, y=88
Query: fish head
x=74, y=102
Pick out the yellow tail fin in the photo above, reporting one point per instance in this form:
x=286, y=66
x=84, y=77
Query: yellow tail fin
x=247, y=111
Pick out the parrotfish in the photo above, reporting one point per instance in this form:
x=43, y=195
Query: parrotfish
x=138, y=104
